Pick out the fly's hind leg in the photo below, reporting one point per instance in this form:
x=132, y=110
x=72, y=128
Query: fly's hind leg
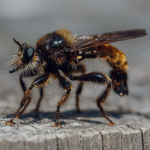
x=101, y=99
x=31, y=73
x=98, y=78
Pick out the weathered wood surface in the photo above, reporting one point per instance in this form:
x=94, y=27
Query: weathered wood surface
x=87, y=130
x=76, y=134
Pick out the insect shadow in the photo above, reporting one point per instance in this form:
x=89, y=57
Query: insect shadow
x=68, y=115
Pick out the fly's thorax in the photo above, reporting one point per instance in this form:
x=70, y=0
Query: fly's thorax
x=56, y=41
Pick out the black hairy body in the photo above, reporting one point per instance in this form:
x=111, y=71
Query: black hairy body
x=61, y=51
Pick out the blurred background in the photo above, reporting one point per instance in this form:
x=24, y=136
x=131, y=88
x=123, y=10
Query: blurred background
x=26, y=21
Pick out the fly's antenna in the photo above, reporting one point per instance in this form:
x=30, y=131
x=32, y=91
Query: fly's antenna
x=17, y=43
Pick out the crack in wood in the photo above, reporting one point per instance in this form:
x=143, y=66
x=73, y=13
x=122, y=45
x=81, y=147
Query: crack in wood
x=142, y=139
x=57, y=143
x=102, y=140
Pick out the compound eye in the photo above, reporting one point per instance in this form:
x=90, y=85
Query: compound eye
x=28, y=55
x=24, y=45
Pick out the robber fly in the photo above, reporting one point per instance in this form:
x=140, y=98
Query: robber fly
x=61, y=51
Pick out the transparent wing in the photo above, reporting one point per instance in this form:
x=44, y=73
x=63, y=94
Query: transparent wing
x=105, y=38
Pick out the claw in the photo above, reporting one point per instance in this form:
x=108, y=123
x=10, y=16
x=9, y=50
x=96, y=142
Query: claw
x=60, y=126
x=111, y=124
x=11, y=123
x=57, y=124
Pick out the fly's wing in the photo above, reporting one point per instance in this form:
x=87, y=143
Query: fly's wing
x=105, y=38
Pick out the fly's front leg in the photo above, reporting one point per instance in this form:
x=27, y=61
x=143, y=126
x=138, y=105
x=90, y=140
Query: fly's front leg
x=67, y=86
x=31, y=73
x=23, y=86
x=27, y=99
x=98, y=78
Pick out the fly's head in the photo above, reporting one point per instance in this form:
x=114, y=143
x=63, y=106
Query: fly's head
x=25, y=57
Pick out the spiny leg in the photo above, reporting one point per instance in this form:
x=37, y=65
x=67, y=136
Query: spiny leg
x=22, y=84
x=80, y=68
x=101, y=99
x=98, y=78
x=30, y=74
x=67, y=86
x=27, y=98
